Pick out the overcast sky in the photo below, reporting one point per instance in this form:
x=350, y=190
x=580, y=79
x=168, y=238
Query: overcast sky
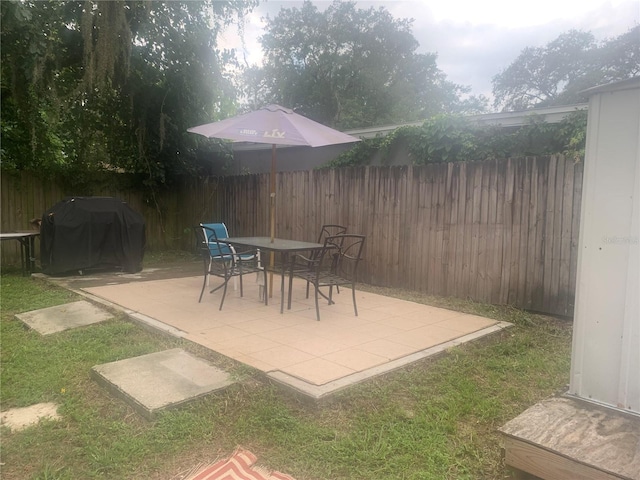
x=474, y=39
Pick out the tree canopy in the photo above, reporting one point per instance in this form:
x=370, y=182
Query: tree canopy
x=557, y=73
x=349, y=67
x=91, y=85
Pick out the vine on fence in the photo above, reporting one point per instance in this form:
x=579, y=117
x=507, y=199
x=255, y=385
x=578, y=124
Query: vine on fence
x=448, y=138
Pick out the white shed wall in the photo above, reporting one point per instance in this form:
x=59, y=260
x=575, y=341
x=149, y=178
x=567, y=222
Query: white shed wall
x=605, y=362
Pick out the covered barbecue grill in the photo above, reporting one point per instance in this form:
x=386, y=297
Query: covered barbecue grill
x=81, y=233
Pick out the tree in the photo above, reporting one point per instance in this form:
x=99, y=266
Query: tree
x=559, y=72
x=29, y=94
x=349, y=67
x=111, y=85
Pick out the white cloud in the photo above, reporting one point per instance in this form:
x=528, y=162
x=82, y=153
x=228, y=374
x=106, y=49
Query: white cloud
x=474, y=40
x=477, y=40
x=505, y=13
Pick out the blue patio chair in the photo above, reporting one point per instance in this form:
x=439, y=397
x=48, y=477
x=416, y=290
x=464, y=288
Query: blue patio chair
x=222, y=260
x=219, y=231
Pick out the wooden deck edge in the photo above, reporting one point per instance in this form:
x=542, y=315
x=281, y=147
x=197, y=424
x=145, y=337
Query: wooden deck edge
x=564, y=437
x=535, y=460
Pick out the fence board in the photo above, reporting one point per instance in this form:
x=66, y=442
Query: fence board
x=524, y=269
x=451, y=218
x=396, y=202
x=507, y=208
x=548, y=231
x=565, y=236
x=414, y=226
x=458, y=258
x=531, y=233
x=495, y=240
x=483, y=234
x=540, y=173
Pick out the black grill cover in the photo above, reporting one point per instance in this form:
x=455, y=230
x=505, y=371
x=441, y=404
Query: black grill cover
x=91, y=232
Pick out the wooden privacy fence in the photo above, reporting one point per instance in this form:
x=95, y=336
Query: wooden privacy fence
x=25, y=196
x=502, y=232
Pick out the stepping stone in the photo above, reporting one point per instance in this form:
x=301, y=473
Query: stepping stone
x=157, y=381
x=64, y=317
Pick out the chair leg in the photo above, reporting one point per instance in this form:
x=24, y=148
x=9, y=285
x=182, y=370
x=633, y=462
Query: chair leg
x=224, y=292
x=317, y=305
x=353, y=293
x=204, y=285
x=264, y=287
x=290, y=287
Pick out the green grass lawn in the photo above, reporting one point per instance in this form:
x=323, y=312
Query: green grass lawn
x=434, y=420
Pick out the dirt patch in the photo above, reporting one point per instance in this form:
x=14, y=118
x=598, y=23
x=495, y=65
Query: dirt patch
x=20, y=418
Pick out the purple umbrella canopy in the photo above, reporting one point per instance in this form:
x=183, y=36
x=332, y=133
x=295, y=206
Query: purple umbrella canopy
x=275, y=125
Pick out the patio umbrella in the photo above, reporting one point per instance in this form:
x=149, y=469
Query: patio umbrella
x=274, y=125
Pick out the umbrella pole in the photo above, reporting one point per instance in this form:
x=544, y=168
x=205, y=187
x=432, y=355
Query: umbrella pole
x=272, y=215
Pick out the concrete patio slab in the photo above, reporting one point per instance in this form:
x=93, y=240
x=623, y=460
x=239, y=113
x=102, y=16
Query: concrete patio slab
x=311, y=358
x=51, y=320
x=315, y=359
x=161, y=380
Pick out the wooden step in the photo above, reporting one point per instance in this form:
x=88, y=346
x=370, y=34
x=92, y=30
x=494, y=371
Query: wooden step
x=567, y=438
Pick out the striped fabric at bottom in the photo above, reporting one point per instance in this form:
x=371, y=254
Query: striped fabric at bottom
x=238, y=467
